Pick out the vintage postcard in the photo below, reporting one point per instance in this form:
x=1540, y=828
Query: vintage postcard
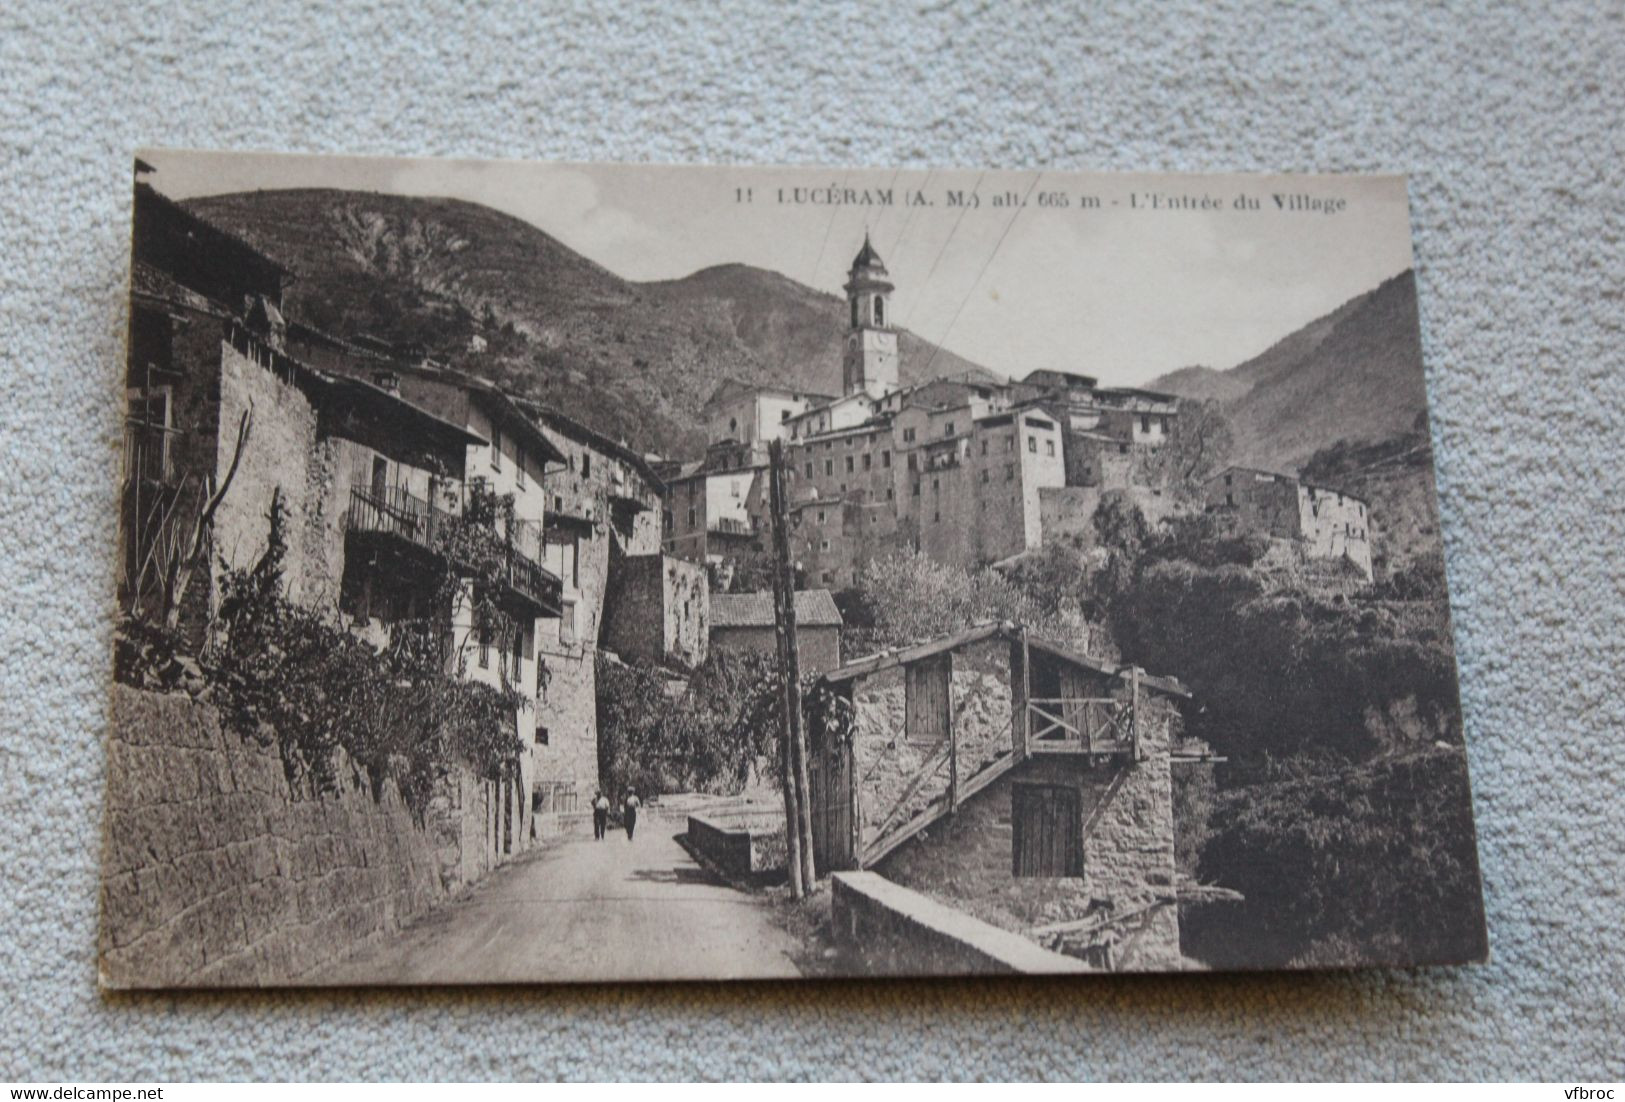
x=536, y=573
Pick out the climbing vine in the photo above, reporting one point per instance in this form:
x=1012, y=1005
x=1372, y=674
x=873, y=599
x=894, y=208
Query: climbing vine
x=295, y=675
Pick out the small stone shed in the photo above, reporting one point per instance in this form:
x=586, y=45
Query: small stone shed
x=744, y=622
x=1061, y=827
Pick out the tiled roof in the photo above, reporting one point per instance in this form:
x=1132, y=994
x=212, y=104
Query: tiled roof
x=814, y=608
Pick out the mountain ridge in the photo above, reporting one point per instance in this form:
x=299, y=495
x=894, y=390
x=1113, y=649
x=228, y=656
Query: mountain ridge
x=492, y=294
x=1352, y=375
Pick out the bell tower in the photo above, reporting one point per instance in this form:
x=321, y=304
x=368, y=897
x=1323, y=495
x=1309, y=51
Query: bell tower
x=869, y=362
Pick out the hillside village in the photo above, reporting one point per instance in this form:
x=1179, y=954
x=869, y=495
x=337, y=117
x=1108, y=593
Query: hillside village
x=965, y=470
x=417, y=504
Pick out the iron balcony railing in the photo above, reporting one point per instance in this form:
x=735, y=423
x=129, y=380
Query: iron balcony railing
x=408, y=517
x=396, y=512
x=532, y=581
x=730, y=526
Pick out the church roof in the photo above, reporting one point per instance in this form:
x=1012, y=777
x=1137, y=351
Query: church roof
x=867, y=257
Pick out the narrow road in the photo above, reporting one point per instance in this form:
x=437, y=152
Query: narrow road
x=581, y=909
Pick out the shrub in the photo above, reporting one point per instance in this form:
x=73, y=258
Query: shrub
x=909, y=597
x=296, y=675
x=1373, y=864
x=656, y=734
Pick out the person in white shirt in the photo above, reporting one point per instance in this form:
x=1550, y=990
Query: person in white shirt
x=629, y=813
x=600, y=816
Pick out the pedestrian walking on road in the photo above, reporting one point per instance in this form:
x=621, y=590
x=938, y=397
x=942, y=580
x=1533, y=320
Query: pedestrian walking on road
x=600, y=815
x=629, y=813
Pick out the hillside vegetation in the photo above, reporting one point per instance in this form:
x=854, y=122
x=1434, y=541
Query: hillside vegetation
x=1353, y=375
x=633, y=360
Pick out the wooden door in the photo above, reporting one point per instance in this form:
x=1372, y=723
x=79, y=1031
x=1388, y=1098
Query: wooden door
x=829, y=780
x=926, y=699
x=1047, y=830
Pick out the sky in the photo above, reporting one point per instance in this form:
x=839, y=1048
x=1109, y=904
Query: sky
x=1135, y=276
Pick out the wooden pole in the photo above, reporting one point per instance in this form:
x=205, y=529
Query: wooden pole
x=1135, y=713
x=779, y=499
x=855, y=818
x=953, y=735
x=787, y=687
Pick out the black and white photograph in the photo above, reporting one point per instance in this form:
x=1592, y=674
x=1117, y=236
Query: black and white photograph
x=535, y=573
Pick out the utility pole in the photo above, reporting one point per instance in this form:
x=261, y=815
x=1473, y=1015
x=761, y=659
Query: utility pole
x=797, y=809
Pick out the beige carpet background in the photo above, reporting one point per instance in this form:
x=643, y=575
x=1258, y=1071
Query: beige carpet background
x=1509, y=122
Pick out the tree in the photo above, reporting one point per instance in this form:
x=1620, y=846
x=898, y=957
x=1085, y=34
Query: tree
x=657, y=736
x=1121, y=531
x=1339, y=867
x=1202, y=443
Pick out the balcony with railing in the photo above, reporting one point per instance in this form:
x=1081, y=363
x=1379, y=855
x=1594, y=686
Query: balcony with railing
x=401, y=516
x=1080, y=725
x=537, y=585
x=731, y=526
x=395, y=512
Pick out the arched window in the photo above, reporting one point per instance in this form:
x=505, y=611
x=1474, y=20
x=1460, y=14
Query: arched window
x=880, y=310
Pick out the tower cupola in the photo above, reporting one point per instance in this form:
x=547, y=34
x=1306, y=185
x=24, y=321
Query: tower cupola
x=869, y=362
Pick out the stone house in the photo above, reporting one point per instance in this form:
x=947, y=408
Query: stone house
x=658, y=611
x=1055, y=820
x=746, y=622
x=1319, y=523
x=748, y=413
x=958, y=482
x=1107, y=429
x=604, y=512
x=957, y=468
x=708, y=517
x=219, y=403
x=191, y=288
x=505, y=461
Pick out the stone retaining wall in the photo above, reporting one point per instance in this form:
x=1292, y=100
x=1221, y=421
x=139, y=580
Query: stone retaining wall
x=216, y=873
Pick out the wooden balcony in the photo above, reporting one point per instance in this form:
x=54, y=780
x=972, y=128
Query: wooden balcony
x=536, y=585
x=1080, y=725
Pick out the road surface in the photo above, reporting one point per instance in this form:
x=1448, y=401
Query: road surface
x=581, y=909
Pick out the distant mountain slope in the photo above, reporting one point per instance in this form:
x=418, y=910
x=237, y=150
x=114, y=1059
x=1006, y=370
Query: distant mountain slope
x=632, y=360
x=1202, y=384
x=1353, y=375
